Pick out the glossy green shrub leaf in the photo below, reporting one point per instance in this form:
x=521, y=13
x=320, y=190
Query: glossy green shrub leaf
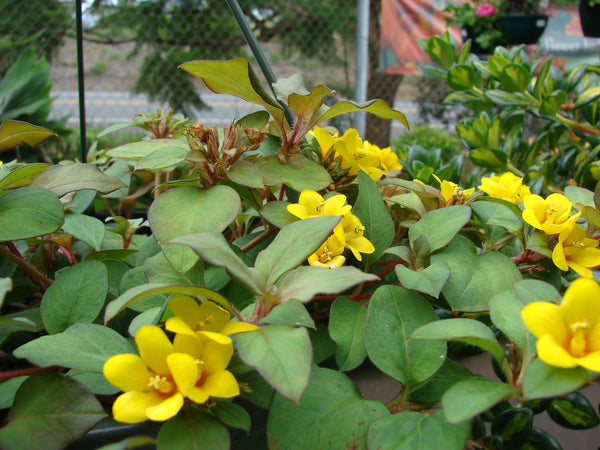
x=574, y=412
x=62, y=179
x=85, y=228
x=541, y=81
x=515, y=78
x=542, y=380
x=513, y=426
x=468, y=398
x=15, y=132
x=440, y=226
x=299, y=173
x=474, y=279
x=504, y=98
x=540, y=439
x=29, y=212
x=141, y=149
x=489, y=158
x=461, y=77
x=82, y=346
x=470, y=331
x=305, y=282
x=22, y=176
x=76, y=296
x=587, y=96
x=552, y=103
x=374, y=216
x=269, y=351
x=393, y=314
x=49, y=412
x=193, y=429
x=411, y=430
x=429, y=281
x=331, y=413
x=346, y=325
x=293, y=245
x=440, y=51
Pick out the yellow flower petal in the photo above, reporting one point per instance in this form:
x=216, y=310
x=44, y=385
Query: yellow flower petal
x=191, y=344
x=217, y=356
x=127, y=372
x=297, y=210
x=235, y=326
x=212, y=317
x=154, y=347
x=312, y=201
x=220, y=338
x=186, y=308
x=178, y=325
x=543, y=318
x=558, y=257
x=581, y=302
x=591, y=361
x=184, y=370
x=221, y=384
x=167, y=409
x=131, y=407
x=549, y=351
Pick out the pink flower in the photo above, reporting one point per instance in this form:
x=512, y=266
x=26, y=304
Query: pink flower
x=485, y=10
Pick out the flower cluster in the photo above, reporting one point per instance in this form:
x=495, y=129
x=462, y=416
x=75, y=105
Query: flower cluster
x=507, y=186
x=452, y=193
x=193, y=366
x=355, y=155
x=348, y=234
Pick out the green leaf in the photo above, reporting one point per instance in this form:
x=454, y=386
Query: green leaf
x=281, y=354
x=495, y=214
x=587, y=96
x=146, y=290
x=22, y=176
x=468, y=398
x=233, y=415
x=461, y=77
x=489, y=157
x=440, y=51
x=529, y=291
x=429, y=281
x=165, y=158
x=94, y=381
x=552, y=103
x=49, y=412
x=435, y=387
x=81, y=346
x=513, y=426
x=412, y=430
x=193, y=429
x=542, y=380
x=291, y=313
x=377, y=107
x=76, y=296
x=305, y=282
x=28, y=212
x=515, y=78
x=85, y=228
x=14, y=133
x=574, y=412
x=299, y=173
x=76, y=177
x=331, y=414
x=474, y=279
x=469, y=331
x=293, y=245
x=394, y=313
x=347, y=321
x=505, y=312
x=440, y=226
x=214, y=249
x=504, y=98
x=141, y=149
x=374, y=216
x=8, y=390
x=277, y=214
x=246, y=174
x=234, y=77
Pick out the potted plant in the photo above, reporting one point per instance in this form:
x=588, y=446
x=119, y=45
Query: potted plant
x=479, y=21
x=522, y=21
x=589, y=13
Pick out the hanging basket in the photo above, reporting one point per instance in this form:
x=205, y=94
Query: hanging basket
x=590, y=19
x=523, y=28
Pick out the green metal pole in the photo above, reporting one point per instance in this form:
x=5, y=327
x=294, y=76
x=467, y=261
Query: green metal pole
x=264, y=65
x=80, y=80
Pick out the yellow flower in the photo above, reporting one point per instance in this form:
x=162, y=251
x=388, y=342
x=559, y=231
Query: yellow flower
x=324, y=139
x=156, y=382
x=329, y=255
x=569, y=334
x=312, y=204
x=507, y=186
x=357, y=157
x=551, y=215
x=388, y=160
x=350, y=233
x=207, y=319
x=575, y=250
x=452, y=193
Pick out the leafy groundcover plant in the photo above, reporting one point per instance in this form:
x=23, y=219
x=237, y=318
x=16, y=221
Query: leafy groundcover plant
x=274, y=259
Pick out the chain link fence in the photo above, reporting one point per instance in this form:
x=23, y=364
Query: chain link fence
x=132, y=48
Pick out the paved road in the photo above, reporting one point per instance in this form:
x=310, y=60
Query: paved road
x=105, y=108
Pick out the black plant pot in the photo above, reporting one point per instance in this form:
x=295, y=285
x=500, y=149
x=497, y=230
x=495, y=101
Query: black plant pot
x=467, y=33
x=590, y=19
x=523, y=28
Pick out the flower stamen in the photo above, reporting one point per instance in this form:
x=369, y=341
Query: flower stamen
x=161, y=384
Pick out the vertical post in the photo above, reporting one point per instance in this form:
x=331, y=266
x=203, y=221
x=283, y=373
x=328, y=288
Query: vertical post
x=80, y=79
x=238, y=14
x=362, y=61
